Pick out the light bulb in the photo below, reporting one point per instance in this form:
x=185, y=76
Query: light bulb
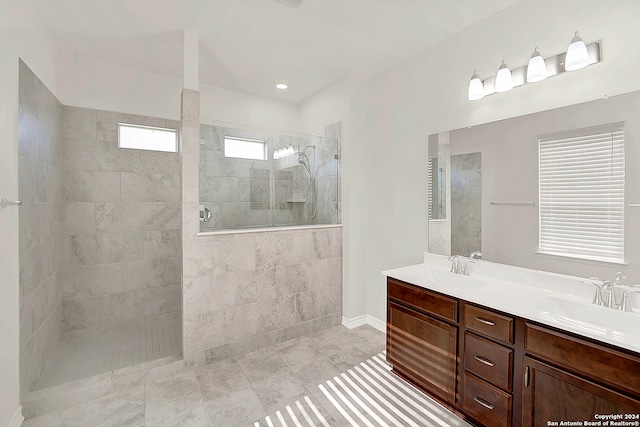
x=504, y=82
x=577, y=56
x=537, y=69
x=476, y=89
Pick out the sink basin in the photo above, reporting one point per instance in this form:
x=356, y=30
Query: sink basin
x=461, y=281
x=611, y=325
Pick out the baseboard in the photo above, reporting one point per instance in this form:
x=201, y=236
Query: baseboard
x=365, y=319
x=17, y=419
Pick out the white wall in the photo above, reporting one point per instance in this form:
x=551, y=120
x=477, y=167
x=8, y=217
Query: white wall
x=22, y=36
x=106, y=86
x=427, y=94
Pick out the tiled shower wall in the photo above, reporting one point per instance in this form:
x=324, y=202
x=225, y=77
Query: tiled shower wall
x=257, y=193
x=121, y=219
x=40, y=160
x=466, y=204
x=242, y=292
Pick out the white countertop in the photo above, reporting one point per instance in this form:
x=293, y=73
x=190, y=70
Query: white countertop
x=552, y=299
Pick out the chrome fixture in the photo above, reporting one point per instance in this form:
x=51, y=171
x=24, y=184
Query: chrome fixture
x=610, y=299
x=475, y=254
x=577, y=56
x=303, y=159
x=205, y=214
x=460, y=264
x=4, y=203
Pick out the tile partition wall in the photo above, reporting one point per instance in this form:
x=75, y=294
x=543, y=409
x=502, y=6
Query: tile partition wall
x=121, y=218
x=246, y=291
x=40, y=160
x=466, y=204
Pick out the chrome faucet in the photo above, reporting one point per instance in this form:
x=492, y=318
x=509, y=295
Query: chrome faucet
x=460, y=264
x=610, y=299
x=475, y=254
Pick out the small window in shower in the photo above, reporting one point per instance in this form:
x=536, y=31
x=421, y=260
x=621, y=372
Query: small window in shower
x=242, y=148
x=147, y=138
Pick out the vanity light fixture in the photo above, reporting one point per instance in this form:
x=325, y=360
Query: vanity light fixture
x=284, y=152
x=476, y=89
x=537, y=69
x=504, y=80
x=577, y=56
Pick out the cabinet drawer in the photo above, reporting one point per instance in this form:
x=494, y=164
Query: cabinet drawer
x=600, y=363
x=488, y=360
x=488, y=323
x=423, y=300
x=486, y=403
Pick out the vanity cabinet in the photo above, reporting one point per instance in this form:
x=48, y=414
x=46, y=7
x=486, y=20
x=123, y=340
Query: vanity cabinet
x=495, y=369
x=422, y=338
x=568, y=378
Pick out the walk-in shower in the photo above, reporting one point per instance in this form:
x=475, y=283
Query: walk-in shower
x=281, y=179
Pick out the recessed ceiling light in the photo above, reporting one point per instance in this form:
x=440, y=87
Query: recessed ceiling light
x=281, y=86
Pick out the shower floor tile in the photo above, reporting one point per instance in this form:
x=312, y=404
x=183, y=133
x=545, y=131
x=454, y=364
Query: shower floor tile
x=83, y=357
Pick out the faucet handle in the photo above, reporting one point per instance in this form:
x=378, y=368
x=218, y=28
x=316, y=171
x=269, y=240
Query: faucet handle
x=619, y=276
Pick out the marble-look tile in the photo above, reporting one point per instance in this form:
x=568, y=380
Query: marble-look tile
x=151, y=273
x=232, y=349
x=317, y=371
x=137, y=216
x=162, y=299
x=262, y=364
x=190, y=109
x=195, y=296
x=297, y=278
x=78, y=122
x=212, y=136
x=95, y=155
x=208, y=330
x=228, y=397
x=176, y=398
x=87, y=249
x=220, y=189
x=219, y=254
x=327, y=243
x=190, y=177
x=37, y=265
x=327, y=188
x=90, y=186
x=241, y=287
x=264, y=316
x=78, y=217
x=144, y=187
x=348, y=357
x=318, y=303
x=162, y=244
x=284, y=248
x=276, y=392
x=124, y=408
x=45, y=300
x=298, y=355
x=32, y=180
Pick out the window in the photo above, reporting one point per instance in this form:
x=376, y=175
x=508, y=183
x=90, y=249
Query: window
x=582, y=193
x=147, y=138
x=242, y=148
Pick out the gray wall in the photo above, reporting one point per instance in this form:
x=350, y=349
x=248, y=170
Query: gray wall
x=121, y=218
x=40, y=160
x=466, y=204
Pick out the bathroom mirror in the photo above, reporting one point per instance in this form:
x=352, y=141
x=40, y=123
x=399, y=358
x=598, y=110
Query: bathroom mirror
x=507, y=167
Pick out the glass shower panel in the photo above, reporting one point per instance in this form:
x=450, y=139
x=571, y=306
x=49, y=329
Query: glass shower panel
x=297, y=184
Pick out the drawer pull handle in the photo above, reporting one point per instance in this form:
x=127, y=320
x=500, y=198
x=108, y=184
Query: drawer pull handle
x=483, y=360
x=527, y=376
x=485, y=321
x=484, y=403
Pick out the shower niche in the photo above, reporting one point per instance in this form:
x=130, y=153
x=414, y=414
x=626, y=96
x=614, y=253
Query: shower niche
x=281, y=179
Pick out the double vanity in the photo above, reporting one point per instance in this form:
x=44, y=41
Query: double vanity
x=510, y=346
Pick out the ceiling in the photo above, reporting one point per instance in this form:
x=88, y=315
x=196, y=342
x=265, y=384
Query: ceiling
x=249, y=45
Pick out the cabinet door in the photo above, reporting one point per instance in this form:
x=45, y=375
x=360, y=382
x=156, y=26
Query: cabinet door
x=423, y=349
x=552, y=395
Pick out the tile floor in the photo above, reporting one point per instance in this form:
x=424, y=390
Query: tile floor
x=83, y=357
x=333, y=378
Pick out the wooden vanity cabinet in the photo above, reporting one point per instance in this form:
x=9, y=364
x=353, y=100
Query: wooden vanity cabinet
x=422, y=338
x=495, y=369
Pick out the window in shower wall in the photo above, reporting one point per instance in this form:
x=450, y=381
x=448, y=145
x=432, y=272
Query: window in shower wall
x=242, y=148
x=147, y=138
x=246, y=191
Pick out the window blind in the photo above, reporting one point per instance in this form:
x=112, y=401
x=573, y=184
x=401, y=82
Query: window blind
x=581, y=179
